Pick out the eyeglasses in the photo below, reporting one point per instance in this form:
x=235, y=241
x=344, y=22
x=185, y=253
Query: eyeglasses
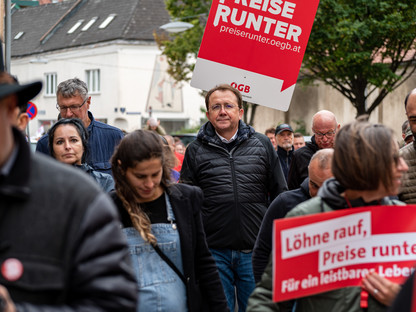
x=72, y=108
x=329, y=134
x=227, y=107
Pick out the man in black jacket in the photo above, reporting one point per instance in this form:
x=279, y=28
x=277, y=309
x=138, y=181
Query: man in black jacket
x=324, y=127
x=238, y=171
x=284, y=139
x=61, y=248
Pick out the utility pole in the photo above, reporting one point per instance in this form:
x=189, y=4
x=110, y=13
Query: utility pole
x=7, y=34
x=2, y=26
x=5, y=31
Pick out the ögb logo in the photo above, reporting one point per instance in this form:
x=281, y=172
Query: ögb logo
x=241, y=87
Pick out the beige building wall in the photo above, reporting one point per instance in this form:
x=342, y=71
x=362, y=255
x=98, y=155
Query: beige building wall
x=306, y=101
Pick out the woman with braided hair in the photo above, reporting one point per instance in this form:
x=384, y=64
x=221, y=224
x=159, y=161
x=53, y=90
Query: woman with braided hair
x=161, y=220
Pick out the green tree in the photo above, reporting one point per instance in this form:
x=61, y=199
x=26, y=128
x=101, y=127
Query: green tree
x=182, y=48
x=363, y=48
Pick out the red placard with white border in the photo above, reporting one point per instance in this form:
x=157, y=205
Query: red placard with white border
x=256, y=46
x=326, y=251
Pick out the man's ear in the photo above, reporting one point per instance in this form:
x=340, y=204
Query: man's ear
x=88, y=103
x=22, y=121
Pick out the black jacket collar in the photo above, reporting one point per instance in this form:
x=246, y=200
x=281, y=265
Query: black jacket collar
x=207, y=133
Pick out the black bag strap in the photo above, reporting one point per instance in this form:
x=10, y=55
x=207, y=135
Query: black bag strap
x=169, y=262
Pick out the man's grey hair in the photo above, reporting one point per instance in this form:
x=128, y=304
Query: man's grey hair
x=324, y=158
x=72, y=87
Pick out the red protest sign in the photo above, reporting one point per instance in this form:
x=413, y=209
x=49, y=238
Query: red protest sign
x=338, y=249
x=253, y=42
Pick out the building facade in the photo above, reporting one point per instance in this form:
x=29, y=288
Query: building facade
x=109, y=45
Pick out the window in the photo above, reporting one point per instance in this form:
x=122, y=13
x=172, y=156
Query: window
x=75, y=27
x=107, y=21
x=50, y=83
x=93, y=80
x=88, y=25
x=18, y=35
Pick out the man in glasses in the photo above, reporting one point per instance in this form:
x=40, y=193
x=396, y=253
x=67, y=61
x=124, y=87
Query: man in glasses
x=324, y=128
x=238, y=171
x=73, y=102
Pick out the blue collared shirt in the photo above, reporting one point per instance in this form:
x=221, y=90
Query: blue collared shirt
x=102, y=141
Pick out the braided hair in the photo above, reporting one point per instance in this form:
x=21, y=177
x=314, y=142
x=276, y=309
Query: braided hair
x=138, y=146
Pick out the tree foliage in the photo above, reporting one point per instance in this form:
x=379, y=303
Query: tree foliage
x=182, y=48
x=363, y=48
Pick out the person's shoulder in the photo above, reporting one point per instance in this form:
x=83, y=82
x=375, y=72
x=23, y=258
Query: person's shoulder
x=116, y=200
x=48, y=171
x=101, y=175
x=408, y=150
x=305, y=151
x=262, y=138
x=393, y=200
x=44, y=138
x=310, y=206
x=290, y=198
x=68, y=190
x=311, y=146
x=42, y=143
x=293, y=194
x=194, y=146
x=106, y=127
x=183, y=189
x=186, y=197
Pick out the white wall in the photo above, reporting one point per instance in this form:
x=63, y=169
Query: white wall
x=126, y=73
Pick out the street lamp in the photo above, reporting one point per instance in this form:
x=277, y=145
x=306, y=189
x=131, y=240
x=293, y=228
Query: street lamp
x=176, y=27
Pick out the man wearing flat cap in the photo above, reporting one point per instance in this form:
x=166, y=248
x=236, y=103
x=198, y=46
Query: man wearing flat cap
x=284, y=139
x=60, y=244
x=407, y=133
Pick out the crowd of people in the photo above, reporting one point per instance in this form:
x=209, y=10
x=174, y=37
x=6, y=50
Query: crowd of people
x=149, y=225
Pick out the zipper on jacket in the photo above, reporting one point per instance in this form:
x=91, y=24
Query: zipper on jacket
x=236, y=201
x=234, y=182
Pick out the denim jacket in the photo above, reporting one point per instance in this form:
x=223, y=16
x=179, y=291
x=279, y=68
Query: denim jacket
x=103, y=179
x=102, y=141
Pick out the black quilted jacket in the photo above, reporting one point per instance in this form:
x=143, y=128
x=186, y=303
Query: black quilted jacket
x=237, y=184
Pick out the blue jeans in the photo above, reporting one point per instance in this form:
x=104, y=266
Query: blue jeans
x=236, y=275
